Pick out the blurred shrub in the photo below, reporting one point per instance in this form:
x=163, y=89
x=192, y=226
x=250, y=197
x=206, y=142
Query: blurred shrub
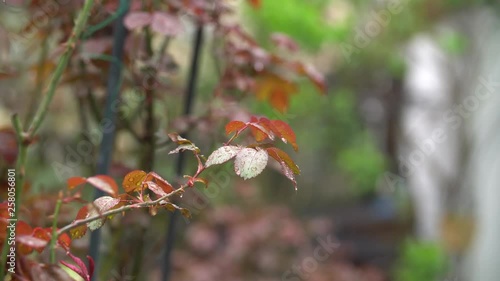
x=420, y=261
x=364, y=163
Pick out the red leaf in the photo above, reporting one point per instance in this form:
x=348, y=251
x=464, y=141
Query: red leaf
x=283, y=41
x=79, y=231
x=23, y=229
x=163, y=183
x=268, y=125
x=80, y=268
x=31, y=242
x=65, y=241
x=255, y=3
x=91, y=266
x=75, y=181
x=310, y=72
x=286, y=133
x=101, y=182
x=237, y=126
x=281, y=156
x=104, y=183
x=8, y=145
x=137, y=20
x=260, y=133
x=166, y=24
x=43, y=234
x=156, y=188
x=288, y=167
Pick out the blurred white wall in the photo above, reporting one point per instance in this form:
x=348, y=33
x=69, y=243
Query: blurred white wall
x=450, y=145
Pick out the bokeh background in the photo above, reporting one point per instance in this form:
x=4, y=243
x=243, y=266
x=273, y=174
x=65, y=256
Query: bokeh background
x=399, y=159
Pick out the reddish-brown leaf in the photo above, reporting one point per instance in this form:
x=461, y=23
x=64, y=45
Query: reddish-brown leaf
x=64, y=240
x=270, y=131
x=133, y=181
x=163, y=183
x=79, y=231
x=281, y=156
x=275, y=89
x=260, y=130
x=101, y=182
x=192, y=180
x=255, y=3
x=155, y=188
x=178, y=139
x=286, y=133
x=42, y=234
x=288, y=167
x=137, y=20
x=104, y=183
x=166, y=24
x=23, y=229
x=28, y=243
x=235, y=126
x=312, y=74
x=75, y=181
x=8, y=145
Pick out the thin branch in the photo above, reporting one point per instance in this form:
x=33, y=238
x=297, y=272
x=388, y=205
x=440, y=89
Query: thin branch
x=80, y=23
x=148, y=204
x=41, y=70
x=53, y=239
x=23, y=139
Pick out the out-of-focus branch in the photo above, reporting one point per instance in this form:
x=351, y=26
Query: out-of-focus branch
x=24, y=138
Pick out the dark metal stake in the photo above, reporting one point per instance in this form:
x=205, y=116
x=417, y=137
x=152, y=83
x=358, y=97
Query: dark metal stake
x=188, y=103
x=108, y=123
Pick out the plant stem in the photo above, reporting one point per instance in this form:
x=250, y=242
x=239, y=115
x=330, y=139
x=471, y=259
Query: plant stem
x=21, y=159
x=41, y=70
x=23, y=139
x=53, y=239
x=158, y=201
x=80, y=23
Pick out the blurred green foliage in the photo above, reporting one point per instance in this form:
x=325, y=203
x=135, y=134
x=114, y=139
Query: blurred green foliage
x=363, y=162
x=420, y=261
x=304, y=21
